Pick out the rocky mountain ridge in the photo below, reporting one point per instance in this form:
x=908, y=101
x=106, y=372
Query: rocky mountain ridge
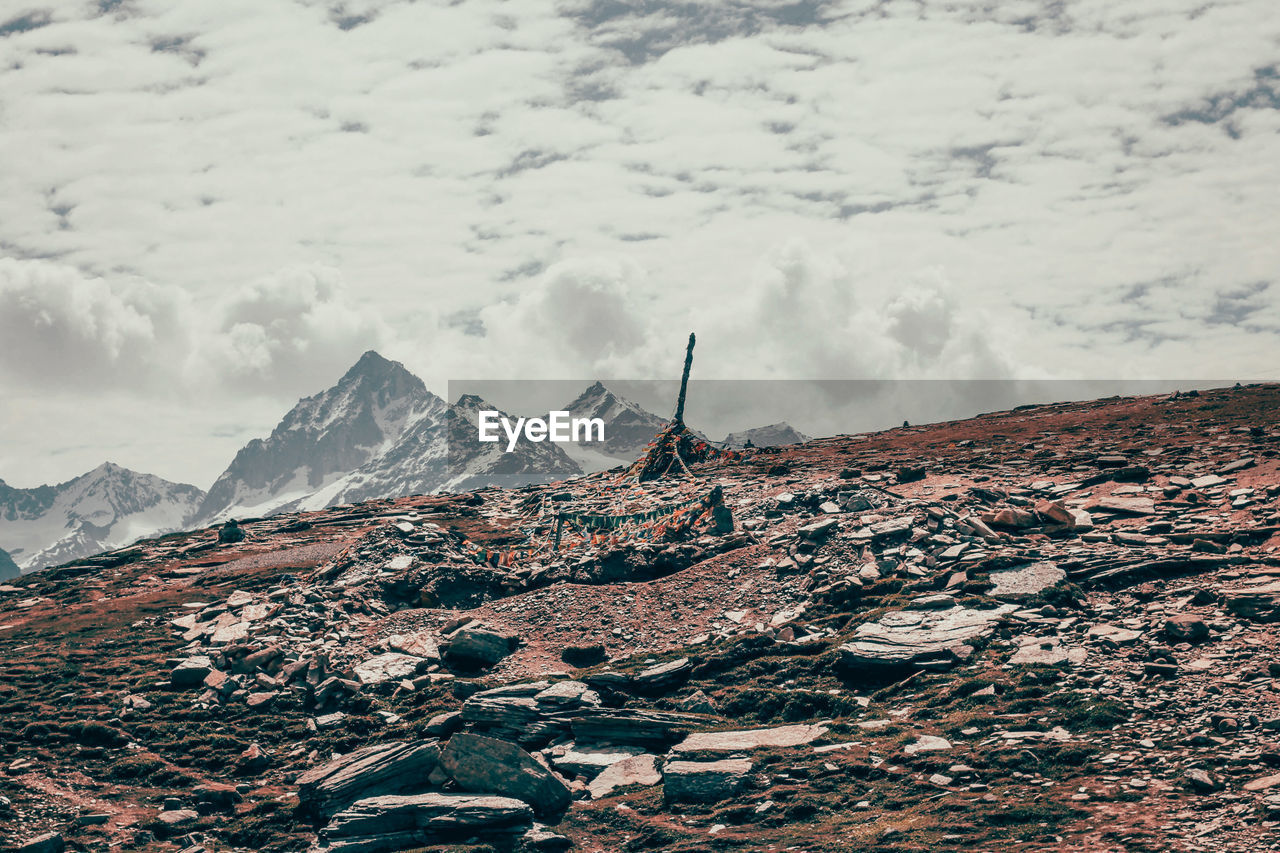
x=377, y=433
x=1044, y=629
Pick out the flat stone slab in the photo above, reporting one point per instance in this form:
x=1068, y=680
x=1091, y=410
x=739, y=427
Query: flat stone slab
x=400, y=822
x=1113, y=634
x=390, y=666
x=388, y=768
x=704, y=781
x=636, y=770
x=1260, y=603
x=927, y=743
x=1126, y=506
x=914, y=636
x=1025, y=582
x=656, y=729
x=419, y=644
x=748, y=739
x=1048, y=651
x=590, y=763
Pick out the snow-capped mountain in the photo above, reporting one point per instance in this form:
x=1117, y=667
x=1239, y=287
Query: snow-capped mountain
x=8, y=568
x=474, y=463
x=627, y=427
x=321, y=441
x=377, y=433
x=773, y=435
x=106, y=508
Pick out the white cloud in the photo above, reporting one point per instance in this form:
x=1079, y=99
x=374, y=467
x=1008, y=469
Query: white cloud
x=60, y=328
x=286, y=334
x=299, y=328
x=784, y=178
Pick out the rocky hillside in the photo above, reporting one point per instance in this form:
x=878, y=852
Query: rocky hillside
x=1045, y=629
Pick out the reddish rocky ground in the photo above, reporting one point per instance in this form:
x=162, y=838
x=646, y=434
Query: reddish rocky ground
x=1125, y=699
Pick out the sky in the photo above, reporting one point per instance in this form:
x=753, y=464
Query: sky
x=209, y=209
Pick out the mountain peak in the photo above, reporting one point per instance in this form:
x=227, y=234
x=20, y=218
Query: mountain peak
x=472, y=402
x=374, y=365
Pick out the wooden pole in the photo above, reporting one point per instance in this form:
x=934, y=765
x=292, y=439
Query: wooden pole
x=684, y=382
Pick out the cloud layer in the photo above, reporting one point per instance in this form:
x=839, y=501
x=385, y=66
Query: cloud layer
x=227, y=199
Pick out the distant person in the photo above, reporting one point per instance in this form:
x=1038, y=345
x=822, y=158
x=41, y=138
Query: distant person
x=230, y=532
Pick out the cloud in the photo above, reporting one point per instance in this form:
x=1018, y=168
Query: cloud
x=61, y=328
x=289, y=333
x=810, y=315
x=298, y=328
x=227, y=197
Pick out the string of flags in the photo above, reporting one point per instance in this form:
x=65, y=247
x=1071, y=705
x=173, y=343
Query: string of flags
x=651, y=524
x=612, y=522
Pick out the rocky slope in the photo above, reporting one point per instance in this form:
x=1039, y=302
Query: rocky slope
x=1046, y=629
x=105, y=508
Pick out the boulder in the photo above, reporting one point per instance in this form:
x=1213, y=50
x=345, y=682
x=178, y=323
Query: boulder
x=478, y=646
x=419, y=644
x=1055, y=512
x=1186, y=628
x=388, y=768
x=479, y=763
x=539, y=839
x=191, y=672
x=529, y=714
x=178, y=818
x=704, y=781
x=388, y=823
